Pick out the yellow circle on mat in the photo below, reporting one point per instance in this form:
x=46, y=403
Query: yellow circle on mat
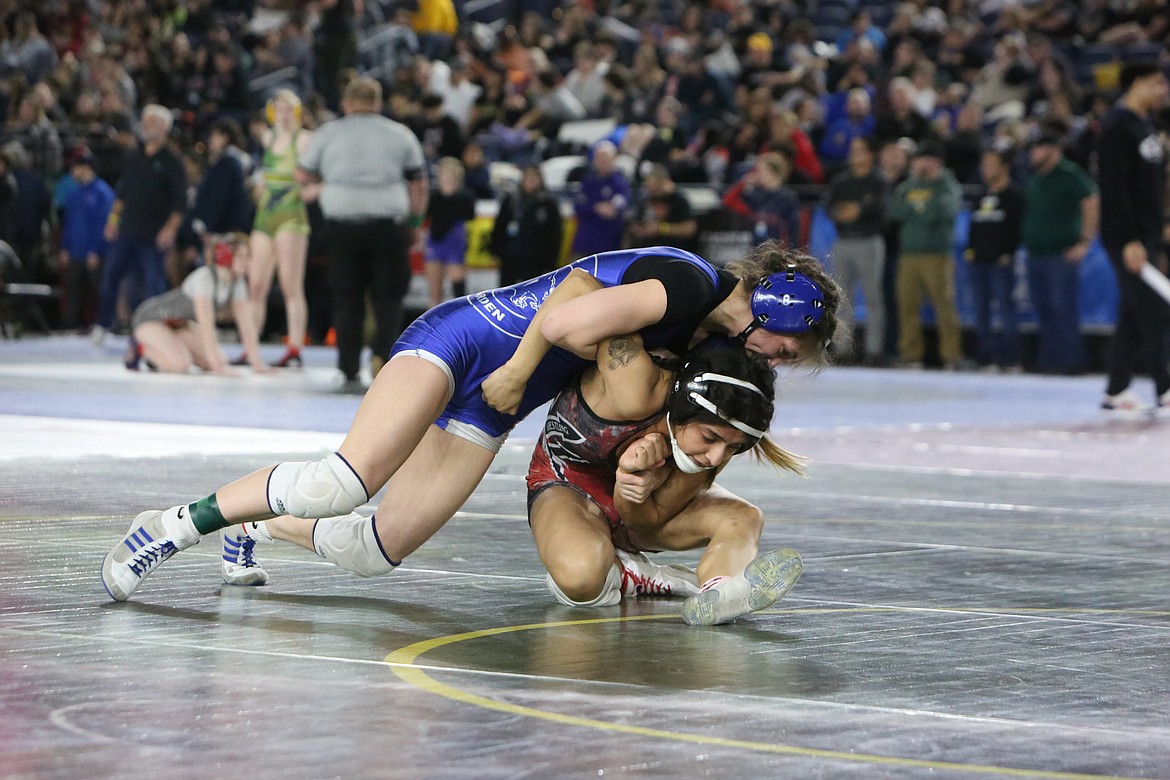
x=405, y=665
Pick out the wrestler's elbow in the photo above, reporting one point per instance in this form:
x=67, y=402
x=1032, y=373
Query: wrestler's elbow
x=583, y=280
x=558, y=328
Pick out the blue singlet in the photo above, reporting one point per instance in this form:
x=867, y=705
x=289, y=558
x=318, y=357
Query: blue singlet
x=473, y=336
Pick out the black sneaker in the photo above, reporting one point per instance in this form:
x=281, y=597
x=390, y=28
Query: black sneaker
x=133, y=355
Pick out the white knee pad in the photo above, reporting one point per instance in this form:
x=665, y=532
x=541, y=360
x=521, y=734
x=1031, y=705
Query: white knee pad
x=351, y=543
x=320, y=488
x=611, y=592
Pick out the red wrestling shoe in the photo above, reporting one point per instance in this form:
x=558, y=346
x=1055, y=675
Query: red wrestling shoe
x=290, y=359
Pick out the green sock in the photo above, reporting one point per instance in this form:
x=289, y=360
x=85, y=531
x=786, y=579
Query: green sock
x=206, y=516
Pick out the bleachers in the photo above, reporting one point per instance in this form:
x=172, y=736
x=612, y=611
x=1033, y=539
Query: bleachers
x=701, y=198
x=22, y=303
x=381, y=46
x=504, y=175
x=556, y=170
x=583, y=133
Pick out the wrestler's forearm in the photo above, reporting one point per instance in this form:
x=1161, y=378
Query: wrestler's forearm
x=664, y=503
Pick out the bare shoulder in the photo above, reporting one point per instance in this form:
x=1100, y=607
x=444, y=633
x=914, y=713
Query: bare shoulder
x=622, y=351
x=629, y=384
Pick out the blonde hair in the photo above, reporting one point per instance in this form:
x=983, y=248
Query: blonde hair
x=450, y=165
x=288, y=96
x=767, y=450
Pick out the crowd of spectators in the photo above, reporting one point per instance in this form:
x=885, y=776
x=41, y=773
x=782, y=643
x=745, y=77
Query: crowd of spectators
x=760, y=101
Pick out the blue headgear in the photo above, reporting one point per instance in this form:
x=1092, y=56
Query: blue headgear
x=785, y=302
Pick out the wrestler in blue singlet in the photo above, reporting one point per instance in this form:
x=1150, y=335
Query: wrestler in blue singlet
x=471, y=337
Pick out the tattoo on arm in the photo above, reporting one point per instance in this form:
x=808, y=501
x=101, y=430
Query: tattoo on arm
x=622, y=352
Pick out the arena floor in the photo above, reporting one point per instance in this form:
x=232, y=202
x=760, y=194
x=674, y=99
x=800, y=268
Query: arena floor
x=987, y=564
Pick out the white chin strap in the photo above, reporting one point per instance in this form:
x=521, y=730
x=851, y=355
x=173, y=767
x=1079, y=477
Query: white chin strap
x=686, y=464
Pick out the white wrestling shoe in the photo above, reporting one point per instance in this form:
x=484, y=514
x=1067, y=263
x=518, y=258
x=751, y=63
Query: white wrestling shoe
x=1125, y=405
x=147, y=544
x=640, y=577
x=763, y=582
x=239, y=558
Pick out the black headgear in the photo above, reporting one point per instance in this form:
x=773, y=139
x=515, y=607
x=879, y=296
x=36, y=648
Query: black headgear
x=693, y=388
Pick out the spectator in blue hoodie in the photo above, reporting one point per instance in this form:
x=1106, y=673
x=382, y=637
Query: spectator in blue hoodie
x=84, y=213
x=858, y=122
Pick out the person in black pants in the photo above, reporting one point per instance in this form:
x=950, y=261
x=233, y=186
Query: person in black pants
x=369, y=175
x=994, y=237
x=368, y=258
x=144, y=220
x=1131, y=170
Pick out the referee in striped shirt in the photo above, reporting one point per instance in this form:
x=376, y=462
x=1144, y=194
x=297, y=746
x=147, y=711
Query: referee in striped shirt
x=369, y=175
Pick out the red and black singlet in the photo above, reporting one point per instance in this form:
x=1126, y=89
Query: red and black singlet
x=578, y=449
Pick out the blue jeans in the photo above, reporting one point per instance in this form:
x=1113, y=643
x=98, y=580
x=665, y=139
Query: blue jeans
x=1054, y=285
x=992, y=285
x=132, y=257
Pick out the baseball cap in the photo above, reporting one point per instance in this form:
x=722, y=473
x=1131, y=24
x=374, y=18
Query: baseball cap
x=81, y=156
x=759, y=41
x=931, y=147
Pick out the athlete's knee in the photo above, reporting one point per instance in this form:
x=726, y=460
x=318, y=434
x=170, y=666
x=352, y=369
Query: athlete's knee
x=580, y=573
x=290, y=290
x=352, y=543
x=579, y=579
x=258, y=289
x=607, y=594
x=577, y=586
x=322, y=488
x=732, y=521
x=748, y=521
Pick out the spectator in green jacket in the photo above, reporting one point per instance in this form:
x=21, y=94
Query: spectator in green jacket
x=926, y=206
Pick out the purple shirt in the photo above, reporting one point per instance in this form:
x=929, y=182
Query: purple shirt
x=596, y=233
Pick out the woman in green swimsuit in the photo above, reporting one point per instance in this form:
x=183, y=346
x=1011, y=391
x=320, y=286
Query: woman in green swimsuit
x=280, y=234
